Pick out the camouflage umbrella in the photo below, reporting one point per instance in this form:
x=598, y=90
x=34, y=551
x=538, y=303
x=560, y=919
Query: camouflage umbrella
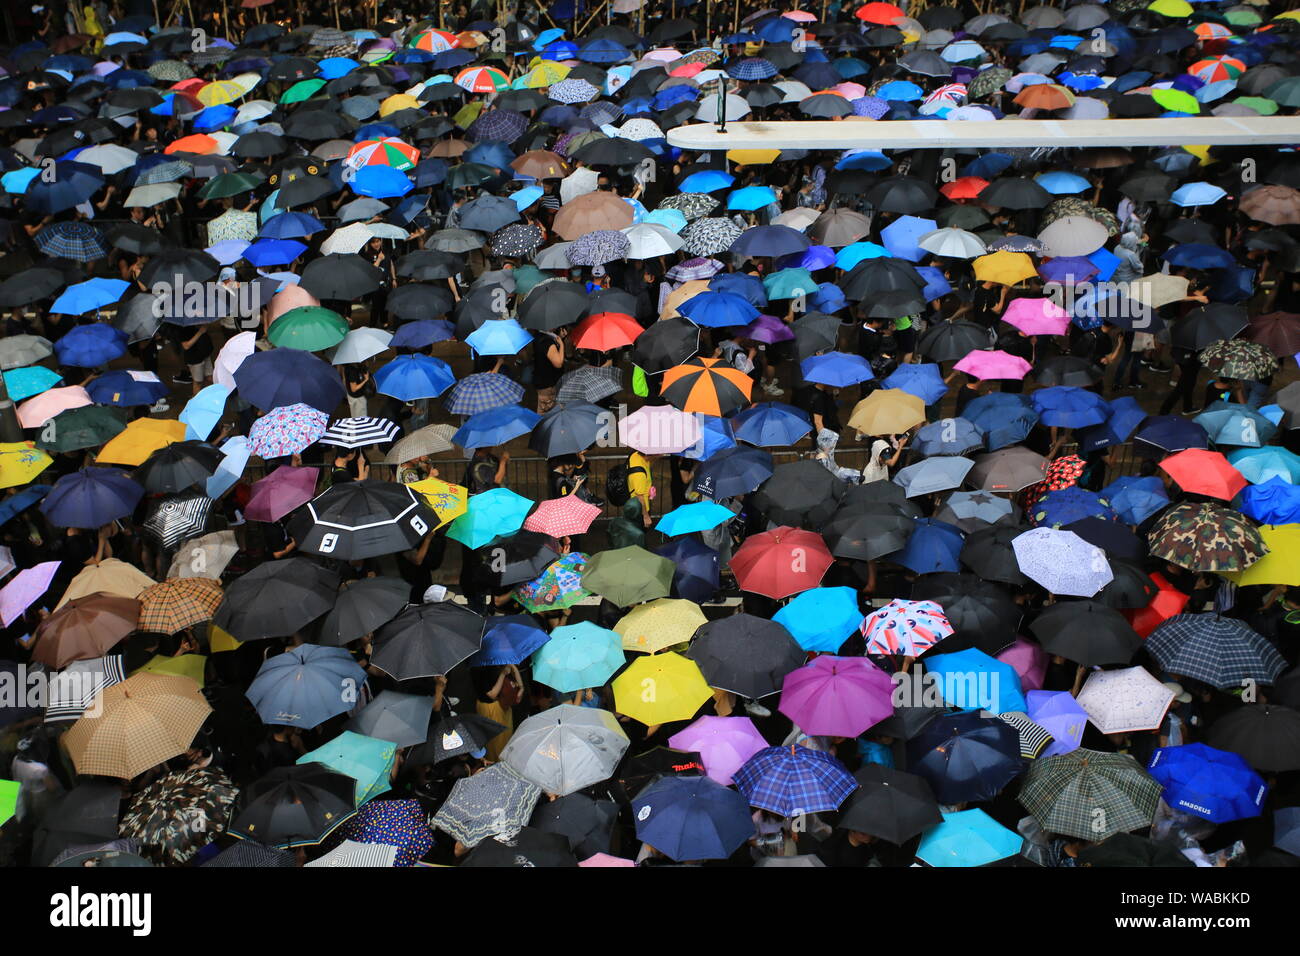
x=179, y=814
x=1077, y=206
x=1205, y=537
x=1237, y=358
x=706, y=237
x=987, y=82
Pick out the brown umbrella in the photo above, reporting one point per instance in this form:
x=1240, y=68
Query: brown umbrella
x=840, y=227
x=85, y=628
x=110, y=576
x=541, y=164
x=1279, y=331
x=137, y=724
x=177, y=603
x=449, y=148
x=591, y=212
x=1007, y=469
x=1275, y=205
x=1103, y=157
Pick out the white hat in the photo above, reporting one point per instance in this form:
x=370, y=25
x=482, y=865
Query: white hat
x=435, y=594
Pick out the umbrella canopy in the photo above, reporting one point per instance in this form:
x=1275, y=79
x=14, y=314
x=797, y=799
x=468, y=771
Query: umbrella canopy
x=1090, y=795
x=566, y=748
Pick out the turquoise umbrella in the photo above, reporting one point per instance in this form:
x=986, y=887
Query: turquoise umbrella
x=23, y=383
x=821, y=619
x=366, y=760
x=700, y=516
x=1261, y=464
x=790, y=284
x=493, y=512
x=968, y=838
x=751, y=198
x=969, y=679
x=578, y=656
x=202, y=412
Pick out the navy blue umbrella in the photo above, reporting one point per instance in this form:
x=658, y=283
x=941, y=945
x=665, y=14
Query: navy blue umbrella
x=695, y=569
x=509, y=640
x=16, y=503
x=732, y=472
x=421, y=333
x=934, y=546
x=965, y=757
x=1197, y=255
x=771, y=424
x=68, y=185
x=120, y=388
x=91, y=498
x=1006, y=418
x=743, y=284
x=692, y=818
x=279, y=377
x=775, y=240
x=1170, y=433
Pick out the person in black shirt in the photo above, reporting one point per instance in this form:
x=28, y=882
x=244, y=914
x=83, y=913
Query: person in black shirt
x=818, y=401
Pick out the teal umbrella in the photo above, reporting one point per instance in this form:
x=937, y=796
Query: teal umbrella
x=202, y=412
x=968, y=838
x=578, y=656
x=490, y=513
x=23, y=383
x=366, y=760
x=790, y=284
x=700, y=516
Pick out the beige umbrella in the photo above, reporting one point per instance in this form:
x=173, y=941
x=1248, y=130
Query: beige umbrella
x=110, y=576
x=1275, y=205
x=205, y=556
x=428, y=440
x=887, y=411
x=290, y=297
x=1158, y=289
x=1073, y=236
x=679, y=295
x=801, y=217
x=137, y=724
x=840, y=227
x=592, y=212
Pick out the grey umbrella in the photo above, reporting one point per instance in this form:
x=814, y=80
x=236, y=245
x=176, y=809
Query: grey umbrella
x=933, y=474
x=566, y=748
x=401, y=719
x=19, y=350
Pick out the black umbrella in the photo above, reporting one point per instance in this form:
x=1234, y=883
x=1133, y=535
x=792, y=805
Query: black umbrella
x=666, y=343
x=428, y=264
x=522, y=556
x=31, y=285
x=1209, y=323
x=178, y=466
x=903, y=194
x=427, y=640
x=276, y=599
x=568, y=429
x=732, y=472
x=815, y=332
x=1149, y=185
x=614, y=151
x=1086, y=632
x=414, y=300
x=177, y=267
x=638, y=771
x=865, y=529
x=1019, y=192
x=1128, y=850
x=988, y=553
x=872, y=279
x=744, y=654
x=135, y=238
x=1131, y=588
x=800, y=494
x=528, y=847
x=1266, y=735
x=890, y=804
x=1116, y=539
x=362, y=608
x=85, y=815
x=950, y=341
x=550, y=305
x=982, y=614
x=362, y=519
x=587, y=824
x=342, y=276
x=451, y=735
x=298, y=805
x=1072, y=370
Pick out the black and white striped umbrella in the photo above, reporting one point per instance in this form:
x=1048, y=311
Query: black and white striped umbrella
x=178, y=517
x=74, y=688
x=359, y=432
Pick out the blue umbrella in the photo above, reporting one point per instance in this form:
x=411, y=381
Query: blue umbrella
x=948, y=436
x=1067, y=505
x=822, y=619
x=498, y=337
x=603, y=51
x=965, y=757
x=971, y=679
x=932, y=475
x=748, y=287
x=88, y=296
x=901, y=90
x=692, y=818
x=715, y=435
x=923, y=380
x=280, y=377
x=380, y=182
x=1069, y=407
x=749, y=198
x=481, y=392
x=1172, y=433
x=214, y=117
x=936, y=283
x=122, y=389
x=968, y=838
x=290, y=225
x=412, y=377
x=1125, y=415
x=31, y=380
x=773, y=240
x=856, y=252
x=1271, y=502
x=1215, y=784
x=496, y=426
x=1196, y=194
x=1006, y=418
x=871, y=160
x=90, y=346
x=697, y=516
x=771, y=424
x=91, y=498
x=422, y=333
x=1228, y=423
x=793, y=781
x=934, y=546
x=900, y=237
x=706, y=181
x=235, y=452
x=17, y=503
x=837, y=369
x=202, y=412
x=1136, y=499
x=1198, y=255
x=717, y=310
x=68, y=185
x=732, y=472
x=300, y=688
x=696, y=572
x=511, y=639
x=274, y=252
x=1061, y=183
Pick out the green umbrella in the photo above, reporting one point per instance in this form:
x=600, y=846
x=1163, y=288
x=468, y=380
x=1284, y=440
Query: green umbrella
x=77, y=428
x=229, y=184
x=1260, y=104
x=1090, y=794
x=310, y=328
x=302, y=90
x=1176, y=100
x=366, y=760
x=8, y=800
x=629, y=576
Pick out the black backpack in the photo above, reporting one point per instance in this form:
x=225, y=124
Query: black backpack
x=616, y=483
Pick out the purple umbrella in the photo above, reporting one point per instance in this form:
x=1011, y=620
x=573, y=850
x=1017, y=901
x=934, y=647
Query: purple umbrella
x=767, y=329
x=1072, y=269
x=723, y=743
x=280, y=492
x=837, y=696
x=25, y=587
x=1027, y=660
x=1060, y=715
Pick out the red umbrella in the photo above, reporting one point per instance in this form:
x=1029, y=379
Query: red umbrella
x=966, y=187
x=781, y=562
x=1202, y=472
x=605, y=331
x=558, y=517
x=1167, y=602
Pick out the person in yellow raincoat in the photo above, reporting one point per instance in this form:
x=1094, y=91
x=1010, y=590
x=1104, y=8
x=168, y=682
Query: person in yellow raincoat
x=91, y=26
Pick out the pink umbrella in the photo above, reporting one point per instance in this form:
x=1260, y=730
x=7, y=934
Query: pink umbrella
x=1037, y=316
x=659, y=430
x=837, y=696
x=605, y=860
x=723, y=743
x=231, y=356
x=850, y=91
x=290, y=297
x=280, y=492
x=993, y=363
x=1026, y=659
x=562, y=516
x=27, y=585
x=35, y=412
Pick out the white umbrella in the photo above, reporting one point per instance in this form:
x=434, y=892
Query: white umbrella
x=736, y=108
x=1073, y=236
x=794, y=90
x=649, y=240
x=205, y=556
x=361, y=344
x=109, y=157
x=553, y=257
x=578, y=183
x=953, y=242
x=225, y=140
x=1086, y=108
x=247, y=81
x=232, y=356
x=1124, y=701
x=350, y=239
x=152, y=194
x=386, y=230
x=1158, y=289
x=566, y=748
x=252, y=111
x=799, y=218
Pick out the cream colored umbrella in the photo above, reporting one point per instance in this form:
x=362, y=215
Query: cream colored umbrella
x=111, y=576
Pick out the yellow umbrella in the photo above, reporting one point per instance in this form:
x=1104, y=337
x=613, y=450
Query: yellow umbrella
x=1005, y=268
x=111, y=576
x=219, y=91
x=661, y=623
x=219, y=640
x=545, y=73
x=186, y=665
x=1289, y=15
x=468, y=113
x=448, y=501
x=140, y=439
x=887, y=411
x=753, y=157
x=659, y=688
x=398, y=101
x=1281, y=565
x=1171, y=8
x=20, y=462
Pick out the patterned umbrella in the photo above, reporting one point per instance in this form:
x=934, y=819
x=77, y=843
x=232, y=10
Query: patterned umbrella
x=573, y=91
x=589, y=383
x=598, y=247
x=482, y=392
x=1205, y=537
x=1220, y=651
x=359, y=432
x=179, y=814
x=177, y=517
x=1124, y=701
x=691, y=205
x=704, y=385
x=496, y=801
x=287, y=430
x=1237, y=358
x=709, y=236
x=793, y=781
x=233, y=224
x=987, y=81
x=558, y=517
x=1090, y=794
x=556, y=588
x=517, y=240
x=905, y=627
x=402, y=824
x=79, y=241
x=177, y=603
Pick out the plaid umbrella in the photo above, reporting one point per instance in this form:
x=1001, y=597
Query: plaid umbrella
x=79, y=241
x=905, y=627
x=751, y=68
x=516, y=240
x=402, y=824
x=287, y=430
x=179, y=814
x=556, y=588
x=558, y=517
x=794, y=781
x=1090, y=794
x=709, y=236
x=178, y=517
x=691, y=205
x=233, y=224
x=1220, y=651
x=177, y=603
x=495, y=801
x=481, y=392
x=1237, y=358
x=1205, y=537
x=598, y=247
x=590, y=384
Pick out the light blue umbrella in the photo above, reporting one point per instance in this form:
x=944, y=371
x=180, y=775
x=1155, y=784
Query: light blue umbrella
x=304, y=686
x=1196, y=194
x=923, y=380
x=901, y=236
x=698, y=516
x=821, y=619
x=228, y=251
x=750, y=198
x=706, y=181
x=202, y=412
x=1261, y=464
x=23, y=383
x=235, y=454
x=498, y=337
x=490, y=513
x=17, y=181
x=968, y=838
x=1228, y=423
x=852, y=254
x=971, y=679
x=948, y=436
x=1060, y=183
x=931, y=475
x=789, y=284
x=673, y=219
x=578, y=656
x=366, y=760
x=901, y=90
